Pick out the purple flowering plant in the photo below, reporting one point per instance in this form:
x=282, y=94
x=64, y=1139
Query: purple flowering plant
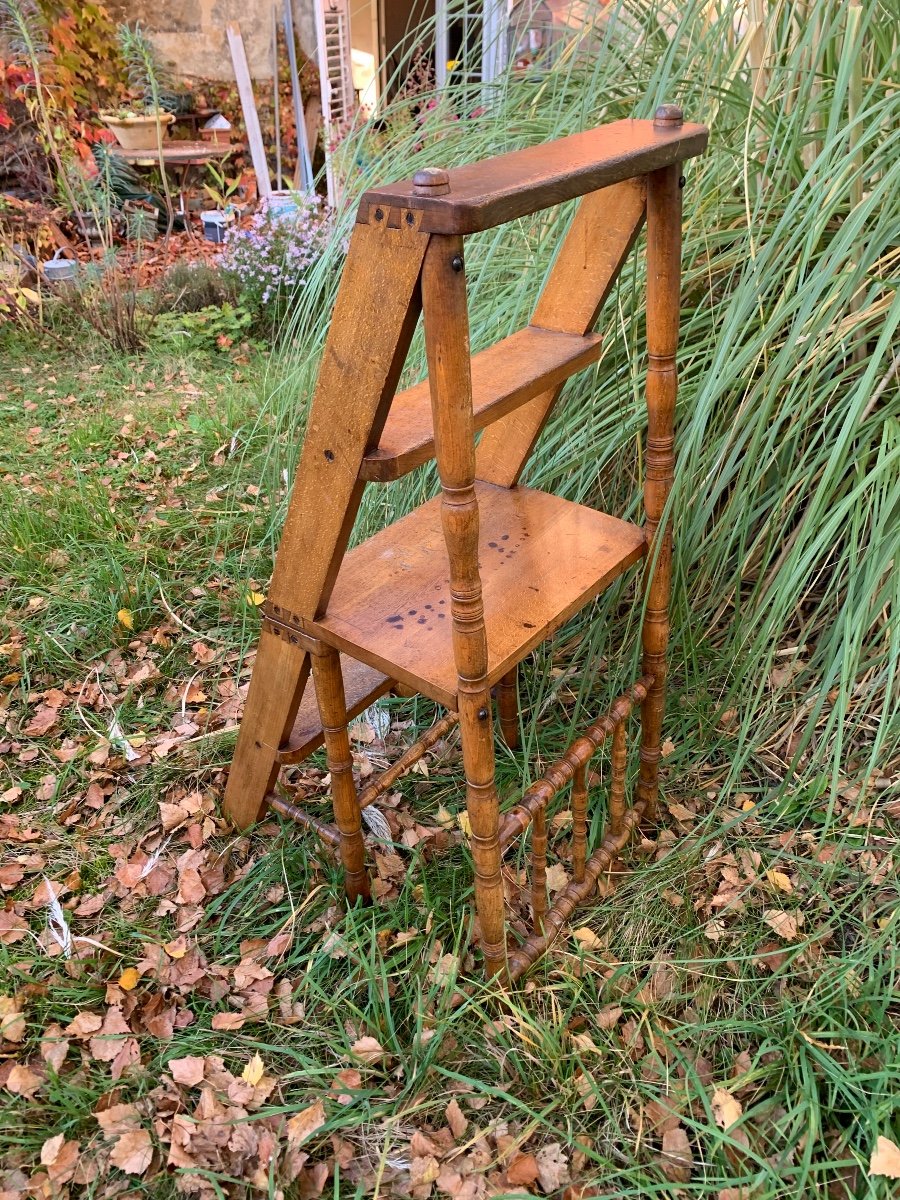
x=269, y=259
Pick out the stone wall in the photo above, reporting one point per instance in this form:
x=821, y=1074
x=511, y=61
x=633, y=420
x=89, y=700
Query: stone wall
x=190, y=34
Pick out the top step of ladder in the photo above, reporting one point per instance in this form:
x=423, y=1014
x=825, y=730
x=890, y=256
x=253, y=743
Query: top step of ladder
x=488, y=193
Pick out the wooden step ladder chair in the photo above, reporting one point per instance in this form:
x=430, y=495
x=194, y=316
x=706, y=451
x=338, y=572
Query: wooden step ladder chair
x=448, y=600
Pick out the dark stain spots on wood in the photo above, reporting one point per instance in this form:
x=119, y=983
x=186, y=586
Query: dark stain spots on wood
x=396, y=619
x=329, y=455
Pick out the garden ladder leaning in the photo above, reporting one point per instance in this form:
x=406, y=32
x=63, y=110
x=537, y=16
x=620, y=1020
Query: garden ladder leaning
x=448, y=600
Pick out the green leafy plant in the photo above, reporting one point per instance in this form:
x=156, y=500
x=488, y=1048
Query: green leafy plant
x=222, y=189
x=216, y=327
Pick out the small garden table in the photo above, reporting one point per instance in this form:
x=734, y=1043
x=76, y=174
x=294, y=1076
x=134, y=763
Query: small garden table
x=182, y=156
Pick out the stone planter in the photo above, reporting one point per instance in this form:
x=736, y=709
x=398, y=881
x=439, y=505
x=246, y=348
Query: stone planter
x=138, y=132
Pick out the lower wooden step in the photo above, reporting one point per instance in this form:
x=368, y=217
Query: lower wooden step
x=541, y=559
x=508, y=374
x=362, y=686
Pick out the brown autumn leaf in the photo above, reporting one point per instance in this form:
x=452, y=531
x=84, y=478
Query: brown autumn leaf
x=60, y=1158
x=12, y=927
x=587, y=938
x=885, y=1160
x=11, y=875
x=118, y=1119
x=456, y=1120
x=368, y=1050
x=22, y=1081
x=85, y=1025
x=228, y=1020
x=133, y=1152
x=12, y=1020
x=54, y=1047
x=677, y=1160
x=304, y=1124
x=785, y=924
x=42, y=722
x=522, y=1171
x=557, y=878
x=107, y=1042
x=187, y=1071
x=553, y=1167
x=608, y=1016
x=727, y=1109
x=348, y=1078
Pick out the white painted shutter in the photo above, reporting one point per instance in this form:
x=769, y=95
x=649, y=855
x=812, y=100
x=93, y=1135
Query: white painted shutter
x=336, y=74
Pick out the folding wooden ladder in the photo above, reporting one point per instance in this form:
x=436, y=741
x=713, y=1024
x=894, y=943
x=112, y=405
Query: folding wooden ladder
x=448, y=600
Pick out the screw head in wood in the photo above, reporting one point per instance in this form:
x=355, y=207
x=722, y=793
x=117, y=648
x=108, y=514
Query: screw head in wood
x=668, y=116
x=456, y=262
x=431, y=181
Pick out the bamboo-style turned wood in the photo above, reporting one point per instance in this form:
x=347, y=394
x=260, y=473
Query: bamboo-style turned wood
x=663, y=306
x=561, y=772
x=508, y=707
x=330, y=690
x=579, y=821
x=447, y=349
x=539, y=869
x=362, y=686
x=450, y=599
x=407, y=760
x=572, y=895
x=617, y=781
x=328, y=833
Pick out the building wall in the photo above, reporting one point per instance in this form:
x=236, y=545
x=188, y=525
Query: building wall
x=190, y=34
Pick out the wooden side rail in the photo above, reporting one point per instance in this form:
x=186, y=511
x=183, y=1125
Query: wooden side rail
x=328, y=833
x=407, y=760
x=496, y=190
x=564, y=770
x=574, y=894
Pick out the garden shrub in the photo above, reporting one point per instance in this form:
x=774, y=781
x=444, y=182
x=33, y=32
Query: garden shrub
x=269, y=261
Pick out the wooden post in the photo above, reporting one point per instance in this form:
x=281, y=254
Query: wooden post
x=663, y=307
x=539, y=869
x=248, y=105
x=508, y=707
x=617, y=782
x=449, y=373
x=579, y=822
x=326, y=666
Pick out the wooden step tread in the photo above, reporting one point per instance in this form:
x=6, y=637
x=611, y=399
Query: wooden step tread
x=362, y=686
x=541, y=560
x=508, y=374
x=487, y=193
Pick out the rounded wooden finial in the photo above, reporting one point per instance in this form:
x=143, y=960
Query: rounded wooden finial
x=431, y=181
x=668, y=116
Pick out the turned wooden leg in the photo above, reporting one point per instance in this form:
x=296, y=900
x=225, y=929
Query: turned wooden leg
x=326, y=666
x=508, y=707
x=539, y=869
x=449, y=375
x=617, y=784
x=579, y=822
x=663, y=302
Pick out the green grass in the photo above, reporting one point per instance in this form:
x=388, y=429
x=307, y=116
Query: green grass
x=783, y=714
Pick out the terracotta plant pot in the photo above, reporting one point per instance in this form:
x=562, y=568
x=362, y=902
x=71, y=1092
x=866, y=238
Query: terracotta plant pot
x=138, y=133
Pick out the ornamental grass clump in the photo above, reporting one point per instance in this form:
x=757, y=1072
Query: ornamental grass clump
x=269, y=260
